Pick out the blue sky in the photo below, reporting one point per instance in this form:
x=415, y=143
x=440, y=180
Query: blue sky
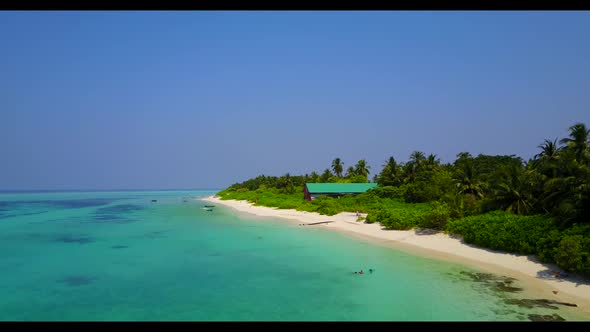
x=162, y=100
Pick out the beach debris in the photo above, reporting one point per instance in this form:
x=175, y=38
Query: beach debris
x=546, y=318
x=539, y=303
x=555, y=292
x=320, y=222
x=559, y=274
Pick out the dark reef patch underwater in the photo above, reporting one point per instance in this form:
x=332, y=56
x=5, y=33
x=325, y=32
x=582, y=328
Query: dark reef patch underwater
x=77, y=280
x=116, y=256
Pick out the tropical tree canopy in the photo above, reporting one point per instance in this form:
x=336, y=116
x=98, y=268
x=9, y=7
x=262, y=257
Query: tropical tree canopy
x=362, y=168
x=578, y=141
x=337, y=167
x=539, y=206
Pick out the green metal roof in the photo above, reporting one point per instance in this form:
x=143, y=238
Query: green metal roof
x=339, y=188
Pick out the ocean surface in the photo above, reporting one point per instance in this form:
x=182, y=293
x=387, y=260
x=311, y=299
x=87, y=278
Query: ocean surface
x=162, y=256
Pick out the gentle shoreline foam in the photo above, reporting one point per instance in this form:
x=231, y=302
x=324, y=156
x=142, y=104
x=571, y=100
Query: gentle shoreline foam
x=535, y=275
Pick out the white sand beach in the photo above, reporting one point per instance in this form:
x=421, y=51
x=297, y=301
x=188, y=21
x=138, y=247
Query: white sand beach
x=538, y=278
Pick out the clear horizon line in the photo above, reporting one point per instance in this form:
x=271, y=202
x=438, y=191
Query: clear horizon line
x=103, y=190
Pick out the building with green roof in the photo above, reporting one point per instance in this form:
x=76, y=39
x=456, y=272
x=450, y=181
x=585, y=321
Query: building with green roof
x=313, y=190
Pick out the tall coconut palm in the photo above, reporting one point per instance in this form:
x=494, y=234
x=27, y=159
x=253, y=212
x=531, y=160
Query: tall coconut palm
x=468, y=182
x=513, y=193
x=417, y=157
x=578, y=141
x=326, y=175
x=463, y=155
x=412, y=168
x=350, y=172
x=337, y=166
x=546, y=160
x=314, y=177
x=431, y=161
x=548, y=150
x=391, y=164
x=389, y=176
x=362, y=168
x=560, y=197
x=567, y=196
x=285, y=183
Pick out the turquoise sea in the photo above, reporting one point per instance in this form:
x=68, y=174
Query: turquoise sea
x=121, y=256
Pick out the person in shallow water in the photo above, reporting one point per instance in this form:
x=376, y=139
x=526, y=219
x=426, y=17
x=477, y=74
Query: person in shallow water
x=361, y=272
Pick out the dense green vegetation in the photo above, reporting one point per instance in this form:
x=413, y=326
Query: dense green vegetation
x=540, y=206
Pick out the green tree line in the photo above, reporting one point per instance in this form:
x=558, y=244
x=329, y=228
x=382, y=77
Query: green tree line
x=539, y=206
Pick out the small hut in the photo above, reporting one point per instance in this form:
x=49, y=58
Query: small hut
x=313, y=190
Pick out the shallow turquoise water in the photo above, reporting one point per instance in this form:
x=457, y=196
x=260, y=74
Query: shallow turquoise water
x=119, y=256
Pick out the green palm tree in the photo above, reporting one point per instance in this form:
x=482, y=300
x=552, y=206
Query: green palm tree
x=463, y=155
x=326, y=175
x=546, y=160
x=567, y=196
x=391, y=164
x=415, y=164
x=431, y=161
x=362, y=168
x=417, y=157
x=549, y=150
x=314, y=177
x=337, y=166
x=468, y=182
x=560, y=196
x=350, y=172
x=389, y=176
x=578, y=141
x=513, y=193
x=285, y=183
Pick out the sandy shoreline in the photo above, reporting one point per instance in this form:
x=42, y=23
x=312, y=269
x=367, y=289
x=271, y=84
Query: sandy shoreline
x=535, y=275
